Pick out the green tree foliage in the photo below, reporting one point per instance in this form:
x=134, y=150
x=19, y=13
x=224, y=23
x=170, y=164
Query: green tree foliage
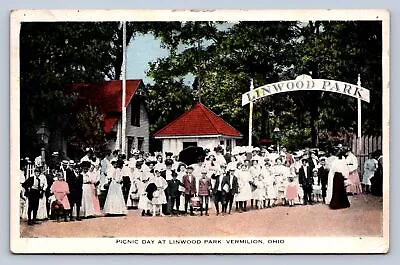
x=52, y=57
x=87, y=128
x=224, y=59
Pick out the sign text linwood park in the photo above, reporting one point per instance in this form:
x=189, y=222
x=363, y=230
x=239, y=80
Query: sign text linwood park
x=306, y=83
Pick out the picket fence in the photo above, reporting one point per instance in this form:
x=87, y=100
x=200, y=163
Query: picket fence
x=361, y=149
x=30, y=168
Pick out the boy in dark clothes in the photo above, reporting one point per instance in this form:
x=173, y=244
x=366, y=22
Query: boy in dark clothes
x=174, y=193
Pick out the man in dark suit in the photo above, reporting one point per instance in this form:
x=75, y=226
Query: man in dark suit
x=306, y=180
x=75, y=183
x=230, y=187
x=322, y=174
x=189, y=182
x=33, y=191
x=167, y=175
x=174, y=193
x=218, y=192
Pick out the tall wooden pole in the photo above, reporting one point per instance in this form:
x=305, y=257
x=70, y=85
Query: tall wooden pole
x=251, y=114
x=359, y=119
x=123, y=72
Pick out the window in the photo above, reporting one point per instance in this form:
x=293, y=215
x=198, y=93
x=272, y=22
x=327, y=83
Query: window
x=140, y=143
x=187, y=144
x=135, y=112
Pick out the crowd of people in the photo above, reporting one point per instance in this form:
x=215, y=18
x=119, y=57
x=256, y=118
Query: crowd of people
x=109, y=183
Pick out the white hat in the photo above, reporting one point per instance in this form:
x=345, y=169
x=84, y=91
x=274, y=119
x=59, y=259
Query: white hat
x=71, y=162
x=64, y=162
x=55, y=153
x=256, y=149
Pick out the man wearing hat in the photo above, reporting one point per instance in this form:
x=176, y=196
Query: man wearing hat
x=75, y=183
x=230, y=187
x=167, y=175
x=322, y=174
x=218, y=192
x=306, y=180
x=189, y=182
x=34, y=188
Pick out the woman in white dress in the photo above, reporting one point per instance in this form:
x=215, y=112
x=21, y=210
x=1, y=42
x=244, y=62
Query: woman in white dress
x=282, y=173
x=159, y=197
x=137, y=176
x=269, y=181
x=244, y=189
x=181, y=171
x=42, y=210
x=255, y=171
x=115, y=203
x=88, y=190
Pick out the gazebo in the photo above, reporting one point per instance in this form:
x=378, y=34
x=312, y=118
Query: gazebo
x=197, y=127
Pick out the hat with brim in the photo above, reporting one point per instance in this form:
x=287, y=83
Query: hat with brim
x=85, y=164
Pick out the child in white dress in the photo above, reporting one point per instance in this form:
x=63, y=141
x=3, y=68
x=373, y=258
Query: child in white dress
x=159, y=195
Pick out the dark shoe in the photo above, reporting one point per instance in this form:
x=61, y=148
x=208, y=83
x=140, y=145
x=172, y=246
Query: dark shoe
x=143, y=213
x=30, y=222
x=192, y=214
x=217, y=213
x=35, y=222
x=78, y=219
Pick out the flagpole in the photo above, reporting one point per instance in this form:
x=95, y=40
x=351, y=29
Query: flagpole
x=251, y=114
x=359, y=119
x=123, y=73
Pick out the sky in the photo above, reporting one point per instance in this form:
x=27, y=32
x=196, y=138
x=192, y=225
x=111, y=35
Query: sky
x=140, y=51
x=145, y=48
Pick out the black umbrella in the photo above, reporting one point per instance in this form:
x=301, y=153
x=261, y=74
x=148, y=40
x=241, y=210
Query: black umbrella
x=150, y=189
x=192, y=155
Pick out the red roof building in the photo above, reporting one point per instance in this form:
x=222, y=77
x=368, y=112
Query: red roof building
x=107, y=97
x=197, y=127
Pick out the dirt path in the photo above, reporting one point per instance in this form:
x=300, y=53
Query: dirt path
x=363, y=218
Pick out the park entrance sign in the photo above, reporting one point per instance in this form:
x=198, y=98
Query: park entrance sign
x=306, y=83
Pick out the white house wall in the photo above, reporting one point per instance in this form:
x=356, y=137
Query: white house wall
x=175, y=145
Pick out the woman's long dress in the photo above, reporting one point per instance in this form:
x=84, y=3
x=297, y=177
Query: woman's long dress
x=255, y=172
x=144, y=202
x=339, y=198
x=115, y=203
x=182, y=190
x=281, y=176
x=244, y=178
x=269, y=184
x=337, y=166
x=42, y=210
x=134, y=195
x=88, y=193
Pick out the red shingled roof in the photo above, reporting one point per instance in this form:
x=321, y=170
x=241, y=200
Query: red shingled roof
x=107, y=97
x=199, y=120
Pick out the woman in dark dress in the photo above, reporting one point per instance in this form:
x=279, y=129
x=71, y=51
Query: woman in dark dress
x=339, y=198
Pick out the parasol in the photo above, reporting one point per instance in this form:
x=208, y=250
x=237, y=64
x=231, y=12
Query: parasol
x=192, y=155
